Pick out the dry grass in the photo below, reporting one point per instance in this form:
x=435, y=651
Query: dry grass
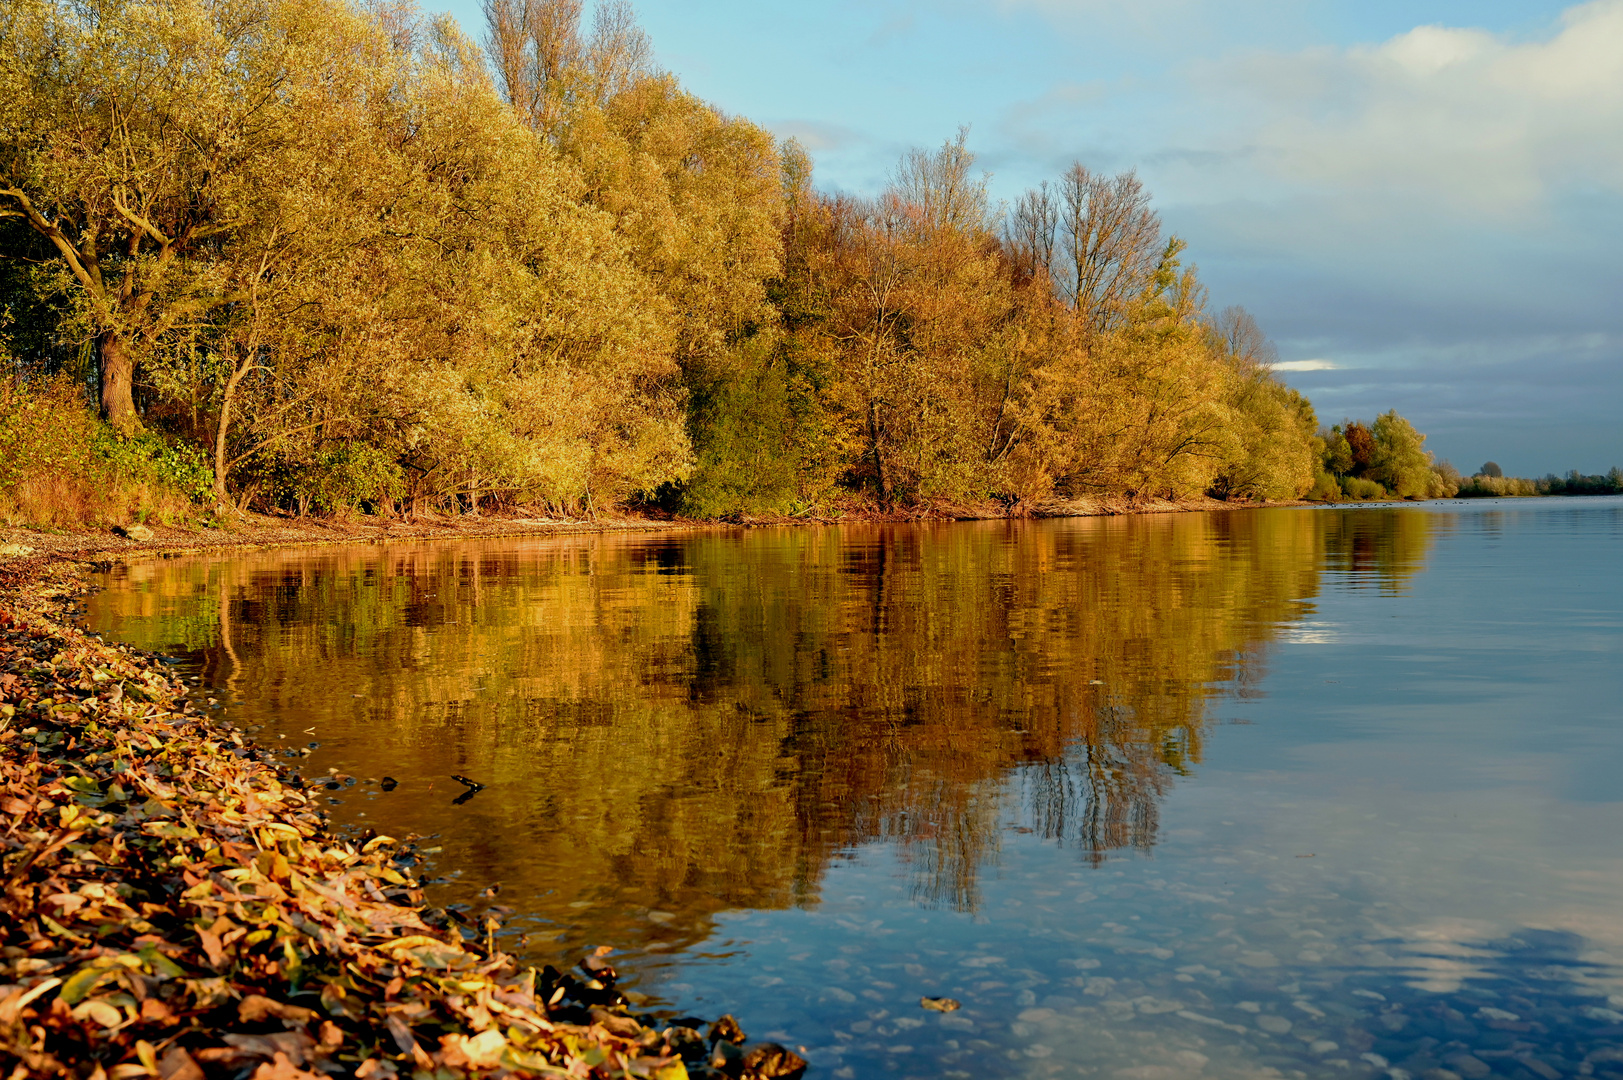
x=52, y=476
x=59, y=499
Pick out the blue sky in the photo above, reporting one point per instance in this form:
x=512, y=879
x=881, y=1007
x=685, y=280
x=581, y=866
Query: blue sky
x=1421, y=202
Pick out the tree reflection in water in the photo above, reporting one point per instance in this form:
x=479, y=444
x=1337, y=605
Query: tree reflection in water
x=668, y=726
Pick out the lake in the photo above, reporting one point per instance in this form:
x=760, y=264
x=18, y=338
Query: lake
x=1283, y=792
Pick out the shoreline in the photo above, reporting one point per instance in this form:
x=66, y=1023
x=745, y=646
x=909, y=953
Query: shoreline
x=175, y=906
x=257, y=532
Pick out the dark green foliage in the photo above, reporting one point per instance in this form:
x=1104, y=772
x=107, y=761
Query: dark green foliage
x=757, y=431
x=1338, y=456
x=150, y=456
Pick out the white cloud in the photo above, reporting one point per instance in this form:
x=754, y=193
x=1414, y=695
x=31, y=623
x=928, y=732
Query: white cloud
x=1306, y=365
x=1461, y=120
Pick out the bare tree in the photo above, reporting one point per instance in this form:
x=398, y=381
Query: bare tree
x=619, y=52
x=939, y=185
x=1032, y=233
x=1236, y=334
x=536, y=49
x=1111, y=242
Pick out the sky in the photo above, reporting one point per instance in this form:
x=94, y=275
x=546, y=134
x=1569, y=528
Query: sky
x=1421, y=202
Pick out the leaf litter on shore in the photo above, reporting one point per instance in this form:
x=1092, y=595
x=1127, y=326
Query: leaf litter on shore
x=174, y=906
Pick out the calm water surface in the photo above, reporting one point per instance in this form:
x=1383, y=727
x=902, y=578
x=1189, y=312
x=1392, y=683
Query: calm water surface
x=1297, y=792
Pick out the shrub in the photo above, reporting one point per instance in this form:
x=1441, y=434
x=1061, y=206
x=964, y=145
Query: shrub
x=1484, y=486
x=148, y=456
x=61, y=467
x=1325, y=489
x=338, y=477
x=1361, y=489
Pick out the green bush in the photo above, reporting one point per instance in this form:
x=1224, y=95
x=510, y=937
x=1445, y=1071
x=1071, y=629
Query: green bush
x=751, y=432
x=1358, y=488
x=345, y=476
x=149, y=456
x=1325, y=489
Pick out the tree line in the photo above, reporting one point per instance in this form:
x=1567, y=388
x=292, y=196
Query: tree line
x=310, y=255
x=1490, y=481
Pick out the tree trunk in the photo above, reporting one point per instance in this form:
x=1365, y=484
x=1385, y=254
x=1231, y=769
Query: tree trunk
x=221, y=465
x=878, y=459
x=117, y=371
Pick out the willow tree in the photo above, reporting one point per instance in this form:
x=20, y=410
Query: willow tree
x=132, y=139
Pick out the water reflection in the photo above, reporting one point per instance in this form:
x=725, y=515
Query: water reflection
x=853, y=766
x=670, y=726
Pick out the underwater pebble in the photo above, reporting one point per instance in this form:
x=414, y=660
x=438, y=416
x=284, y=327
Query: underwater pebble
x=1472, y=1068
x=1487, y=1013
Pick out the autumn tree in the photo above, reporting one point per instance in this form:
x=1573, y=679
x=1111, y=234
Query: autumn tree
x=1110, y=243
x=133, y=138
x=1361, y=448
x=1400, y=460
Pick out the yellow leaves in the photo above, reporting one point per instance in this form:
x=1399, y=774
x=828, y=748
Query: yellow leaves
x=487, y=1050
x=413, y=941
x=427, y=951
x=13, y=999
x=98, y=1012
x=270, y=833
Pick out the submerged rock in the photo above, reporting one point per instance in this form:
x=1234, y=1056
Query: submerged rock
x=770, y=1061
x=727, y=1030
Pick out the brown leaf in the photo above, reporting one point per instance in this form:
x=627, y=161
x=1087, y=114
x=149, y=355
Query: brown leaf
x=400, y=1031
x=255, y=1007
x=155, y=1011
x=211, y=946
x=177, y=1064
x=280, y=1068
x=483, y=1051
x=290, y=1044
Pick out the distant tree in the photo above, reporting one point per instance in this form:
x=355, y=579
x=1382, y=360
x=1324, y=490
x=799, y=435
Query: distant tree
x=536, y=50
x=1235, y=333
x=1110, y=241
x=1338, y=456
x=940, y=186
x=1031, y=234
x=1490, y=468
x=1401, y=461
x=1361, y=445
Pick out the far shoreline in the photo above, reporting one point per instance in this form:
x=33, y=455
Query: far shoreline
x=258, y=532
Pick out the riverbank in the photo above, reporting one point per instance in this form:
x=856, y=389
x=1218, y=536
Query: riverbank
x=258, y=531
x=175, y=906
